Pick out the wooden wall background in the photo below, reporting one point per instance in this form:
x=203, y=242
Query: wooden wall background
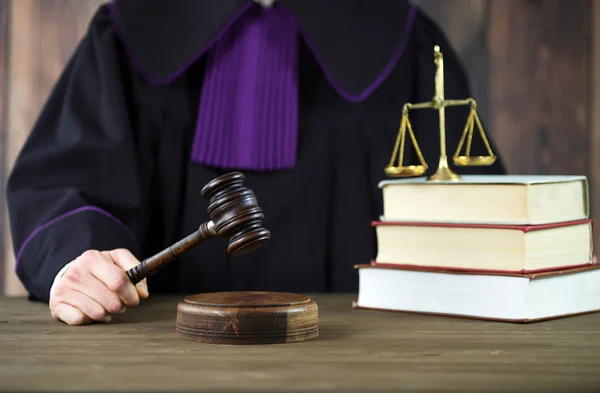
x=532, y=64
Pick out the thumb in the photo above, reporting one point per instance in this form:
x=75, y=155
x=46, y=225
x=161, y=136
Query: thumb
x=126, y=260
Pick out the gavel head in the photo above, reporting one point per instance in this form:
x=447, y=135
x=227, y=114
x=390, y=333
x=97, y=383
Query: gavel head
x=235, y=213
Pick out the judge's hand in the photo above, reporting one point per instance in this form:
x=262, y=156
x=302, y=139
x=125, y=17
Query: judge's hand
x=94, y=286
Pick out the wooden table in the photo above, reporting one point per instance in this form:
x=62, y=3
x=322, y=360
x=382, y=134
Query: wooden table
x=356, y=351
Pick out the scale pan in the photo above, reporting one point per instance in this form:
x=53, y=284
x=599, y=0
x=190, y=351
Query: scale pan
x=474, y=161
x=405, y=171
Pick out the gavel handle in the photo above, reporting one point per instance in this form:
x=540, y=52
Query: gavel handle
x=153, y=264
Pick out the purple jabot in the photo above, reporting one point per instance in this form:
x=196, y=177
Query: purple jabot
x=248, y=113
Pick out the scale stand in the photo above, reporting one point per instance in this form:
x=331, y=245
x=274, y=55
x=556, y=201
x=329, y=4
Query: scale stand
x=443, y=172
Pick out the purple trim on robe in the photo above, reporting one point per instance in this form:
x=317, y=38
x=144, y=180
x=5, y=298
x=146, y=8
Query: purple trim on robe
x=410, y=20
x=250, y=120
x=248, y=110
x=63, y=216
x=183, y=68
x=352, y=98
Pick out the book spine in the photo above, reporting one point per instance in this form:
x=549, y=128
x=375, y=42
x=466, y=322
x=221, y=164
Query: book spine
x=523, y=228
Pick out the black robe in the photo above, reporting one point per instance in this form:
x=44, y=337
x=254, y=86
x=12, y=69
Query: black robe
x=107, y=164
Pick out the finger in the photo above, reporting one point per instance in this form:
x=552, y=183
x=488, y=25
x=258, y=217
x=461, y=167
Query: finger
x=88, y=306
x=69, y=314
x=79, y=278
x=142, y=289
x=102, y=267
x=98, y=291
x=126, y=260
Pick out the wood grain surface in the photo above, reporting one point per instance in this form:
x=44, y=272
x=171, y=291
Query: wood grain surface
x=356, y=351
x=540, y=84
x=594, y=146
x=247, y=318
x=3, y=103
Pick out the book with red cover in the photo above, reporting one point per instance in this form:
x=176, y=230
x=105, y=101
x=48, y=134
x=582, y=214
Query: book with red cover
x=509, y=297
x=485, y=247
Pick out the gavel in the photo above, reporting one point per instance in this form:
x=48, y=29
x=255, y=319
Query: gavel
x=235, y=215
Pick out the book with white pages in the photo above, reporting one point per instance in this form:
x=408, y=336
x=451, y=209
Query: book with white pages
x=487, y=199
x=494, y=296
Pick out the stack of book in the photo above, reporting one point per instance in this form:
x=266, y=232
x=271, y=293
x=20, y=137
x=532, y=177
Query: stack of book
x=509, y=248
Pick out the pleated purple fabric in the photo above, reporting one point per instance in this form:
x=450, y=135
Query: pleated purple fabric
x=248, y=114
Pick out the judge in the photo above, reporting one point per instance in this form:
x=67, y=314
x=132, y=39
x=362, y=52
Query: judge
x=160, y=97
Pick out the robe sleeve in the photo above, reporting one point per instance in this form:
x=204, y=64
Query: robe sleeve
x=77, y=182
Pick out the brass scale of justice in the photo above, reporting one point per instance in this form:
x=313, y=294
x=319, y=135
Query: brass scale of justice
x=443, y=172
x=256, y=317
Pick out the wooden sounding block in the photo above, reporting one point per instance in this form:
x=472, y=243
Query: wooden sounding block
x=247, y=318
